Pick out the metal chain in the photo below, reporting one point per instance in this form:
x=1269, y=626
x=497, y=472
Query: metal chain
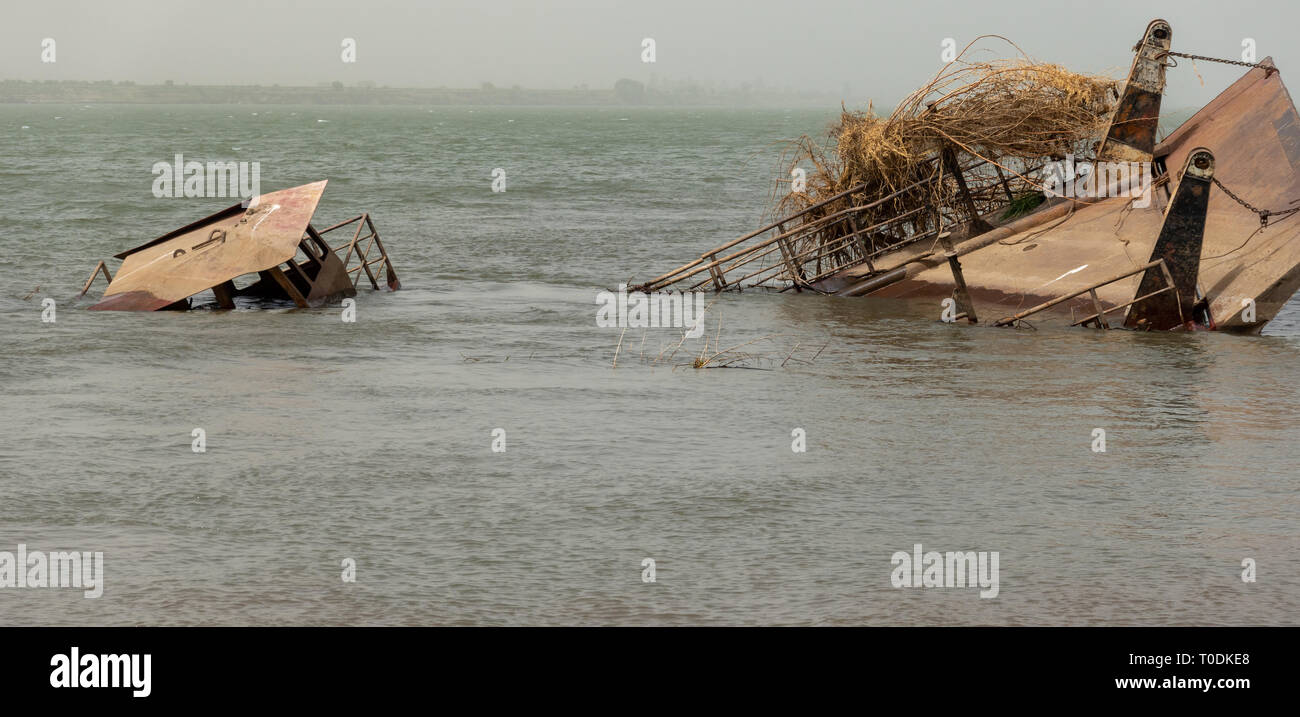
x=1264, y=214
x=1184, y=55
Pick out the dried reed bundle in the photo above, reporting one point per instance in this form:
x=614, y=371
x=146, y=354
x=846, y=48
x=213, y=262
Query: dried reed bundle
x=1007, y=114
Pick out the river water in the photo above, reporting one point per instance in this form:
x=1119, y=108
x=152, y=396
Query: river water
x=372, y=441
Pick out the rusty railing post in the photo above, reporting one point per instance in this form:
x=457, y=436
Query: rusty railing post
x=960, y=292
x=977, y=224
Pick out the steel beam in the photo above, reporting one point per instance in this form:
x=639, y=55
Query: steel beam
x=1179, y=245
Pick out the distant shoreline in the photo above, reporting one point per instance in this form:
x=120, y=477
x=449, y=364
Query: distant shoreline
x=624, y=93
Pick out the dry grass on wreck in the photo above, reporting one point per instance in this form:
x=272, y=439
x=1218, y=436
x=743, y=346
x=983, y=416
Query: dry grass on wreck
x=1014, y=114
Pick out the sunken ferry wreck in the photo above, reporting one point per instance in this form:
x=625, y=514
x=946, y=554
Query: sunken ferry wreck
x=958, y=196
x=268, y=243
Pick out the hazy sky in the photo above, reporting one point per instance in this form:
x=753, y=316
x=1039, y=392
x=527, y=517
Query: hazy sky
x=852, y=48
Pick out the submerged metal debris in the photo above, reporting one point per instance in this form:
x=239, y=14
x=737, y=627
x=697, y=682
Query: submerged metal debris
x=1212, y=246
x=271, y=237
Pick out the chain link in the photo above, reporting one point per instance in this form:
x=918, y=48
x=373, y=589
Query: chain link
x=1186, y=56
x=1264, y=214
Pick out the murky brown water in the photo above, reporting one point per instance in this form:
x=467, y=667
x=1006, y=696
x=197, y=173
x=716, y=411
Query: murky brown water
x=372, y=441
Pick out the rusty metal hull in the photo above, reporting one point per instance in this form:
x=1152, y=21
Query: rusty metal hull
x=272, y=237
x=210, y=252
x=1253, y=131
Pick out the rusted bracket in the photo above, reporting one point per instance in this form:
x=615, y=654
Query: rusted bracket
x=1100, y=316
x=100, y=267
x=217, y=236
x=224, y=293
x=719, y=281
x=965, y=307
x=1179, y=246
x=1131, y=135
x=788, y=256
x=276, y=275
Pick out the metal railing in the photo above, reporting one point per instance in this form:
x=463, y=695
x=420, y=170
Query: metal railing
x=1099, y=318
x=355, y=249
x=801, y=250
